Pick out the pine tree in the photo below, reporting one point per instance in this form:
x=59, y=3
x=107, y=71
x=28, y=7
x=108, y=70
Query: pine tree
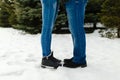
x=28, y=15
x=93, y=10
x=61, y=20
x=7, y=15
x=4, y=14
x=111, y=14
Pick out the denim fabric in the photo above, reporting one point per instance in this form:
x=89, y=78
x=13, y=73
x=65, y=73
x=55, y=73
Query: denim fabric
x=75, y=13
x=49, y=13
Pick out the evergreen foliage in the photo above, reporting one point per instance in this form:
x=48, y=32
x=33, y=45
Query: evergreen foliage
x=4, y=13
x=93, y=10
x=111, y=14
x=61, y=20
x=28, y=15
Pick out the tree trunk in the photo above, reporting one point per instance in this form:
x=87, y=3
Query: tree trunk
x=118, y=32
x=95, y=25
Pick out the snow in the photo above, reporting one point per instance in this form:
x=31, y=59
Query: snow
x=90, y=25
x=20, y=57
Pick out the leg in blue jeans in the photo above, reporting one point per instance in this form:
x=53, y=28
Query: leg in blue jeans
x=49, y=13
x=75, y=12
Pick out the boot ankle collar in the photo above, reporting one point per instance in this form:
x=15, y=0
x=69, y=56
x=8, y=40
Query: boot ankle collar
x=48, y=55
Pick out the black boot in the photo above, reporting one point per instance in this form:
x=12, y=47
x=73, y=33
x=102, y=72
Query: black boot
x=69, y=63
x=50, y=61
x=67, y=60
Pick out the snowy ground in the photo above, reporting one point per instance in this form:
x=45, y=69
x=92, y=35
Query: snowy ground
x=20, y=57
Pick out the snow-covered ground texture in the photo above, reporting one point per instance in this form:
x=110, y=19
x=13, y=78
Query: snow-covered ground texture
x=20, y=57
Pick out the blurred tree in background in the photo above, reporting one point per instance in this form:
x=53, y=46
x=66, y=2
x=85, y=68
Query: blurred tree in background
x=27, y=14
x=5, y=6
x=21, y=14
x=110, y=16
x=93, y=10
x=61, y=20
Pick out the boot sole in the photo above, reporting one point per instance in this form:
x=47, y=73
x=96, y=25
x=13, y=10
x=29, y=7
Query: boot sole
x=49, y=67
x=81, y=66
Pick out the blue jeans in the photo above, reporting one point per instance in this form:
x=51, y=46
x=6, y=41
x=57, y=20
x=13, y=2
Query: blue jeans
x=75, y=13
